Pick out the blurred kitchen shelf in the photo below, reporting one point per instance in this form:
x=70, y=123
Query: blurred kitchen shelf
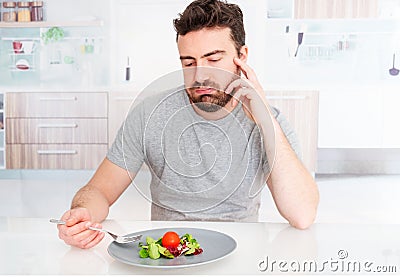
x=21, y=54
x=14, y=69
x=39, y=39
x=88, y=37
x=363, y=26
x=19, y=38
x=49, y=24
x=353, y=33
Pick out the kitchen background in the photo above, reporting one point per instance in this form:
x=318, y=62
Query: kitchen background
x=340, y=89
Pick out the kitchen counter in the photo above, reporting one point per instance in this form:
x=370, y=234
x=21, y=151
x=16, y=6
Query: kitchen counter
x=31, y=246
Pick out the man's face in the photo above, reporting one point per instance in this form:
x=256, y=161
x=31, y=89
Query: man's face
x=207, y=59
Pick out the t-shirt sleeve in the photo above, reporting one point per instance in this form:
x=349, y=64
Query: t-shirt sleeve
x=127, y=149
x=290, y=134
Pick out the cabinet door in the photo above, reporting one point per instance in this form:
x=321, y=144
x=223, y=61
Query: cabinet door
x=391, y=115
x=48, y=104
x=350, y=118
x=57, y=130
x=55, y=156
x=2, y=136
x=301, y=110
x=335, y=8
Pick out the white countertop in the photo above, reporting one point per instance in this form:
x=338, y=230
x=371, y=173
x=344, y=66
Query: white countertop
x=31, y=246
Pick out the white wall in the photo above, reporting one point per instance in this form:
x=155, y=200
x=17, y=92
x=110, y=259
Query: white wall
x=56, y=10
x=144, y=31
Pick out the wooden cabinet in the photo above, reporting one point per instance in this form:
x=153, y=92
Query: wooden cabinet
x=301, y=110
x=55, y=156
x=57, y=105
x=56, y=130
x=2, y=130
x=335, y=9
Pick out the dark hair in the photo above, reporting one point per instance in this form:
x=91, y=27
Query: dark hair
x=212, y=13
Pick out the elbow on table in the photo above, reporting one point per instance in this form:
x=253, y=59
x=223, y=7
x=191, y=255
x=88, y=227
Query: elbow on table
x=303, y=221
x=301, y=224
x=302, y=218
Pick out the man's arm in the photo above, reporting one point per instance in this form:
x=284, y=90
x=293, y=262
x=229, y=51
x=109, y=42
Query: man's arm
x=105, y=187
x=91, y=205
x=292, y=187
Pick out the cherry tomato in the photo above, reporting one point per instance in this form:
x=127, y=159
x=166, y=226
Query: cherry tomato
x=170, y=239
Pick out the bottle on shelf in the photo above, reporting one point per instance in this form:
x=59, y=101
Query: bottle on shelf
x=92, y=46
x=1, y=121
x=128, y=71
x=343, y=43
x=24, y=13
x=82, y=46
x=9, y=12
x=36, y=10
x=89, y=46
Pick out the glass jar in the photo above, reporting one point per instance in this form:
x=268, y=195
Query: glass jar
x=37, y=11
x=9, y=13
x=24, y=14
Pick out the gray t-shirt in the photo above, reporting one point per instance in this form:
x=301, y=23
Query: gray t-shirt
x=200, y=169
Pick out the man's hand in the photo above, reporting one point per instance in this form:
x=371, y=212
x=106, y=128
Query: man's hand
x=250, y=93
x=75, y=232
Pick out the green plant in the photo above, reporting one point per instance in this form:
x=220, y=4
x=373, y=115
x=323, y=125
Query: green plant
x=53, y=34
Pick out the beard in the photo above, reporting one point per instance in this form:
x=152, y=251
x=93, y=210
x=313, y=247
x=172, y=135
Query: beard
x=210, y=102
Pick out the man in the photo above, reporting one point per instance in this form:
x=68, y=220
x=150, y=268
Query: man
x=209, y=145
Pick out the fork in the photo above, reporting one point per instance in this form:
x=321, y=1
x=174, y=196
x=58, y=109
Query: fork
x=119, y=239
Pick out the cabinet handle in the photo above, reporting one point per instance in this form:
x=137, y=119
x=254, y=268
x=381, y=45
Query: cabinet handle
x=58, y=98
x=74, y=125
x=288, y=97
x=49, y=152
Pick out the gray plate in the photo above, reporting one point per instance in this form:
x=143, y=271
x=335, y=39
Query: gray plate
x=215, y=246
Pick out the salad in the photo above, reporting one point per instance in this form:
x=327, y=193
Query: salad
x=170, y=245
